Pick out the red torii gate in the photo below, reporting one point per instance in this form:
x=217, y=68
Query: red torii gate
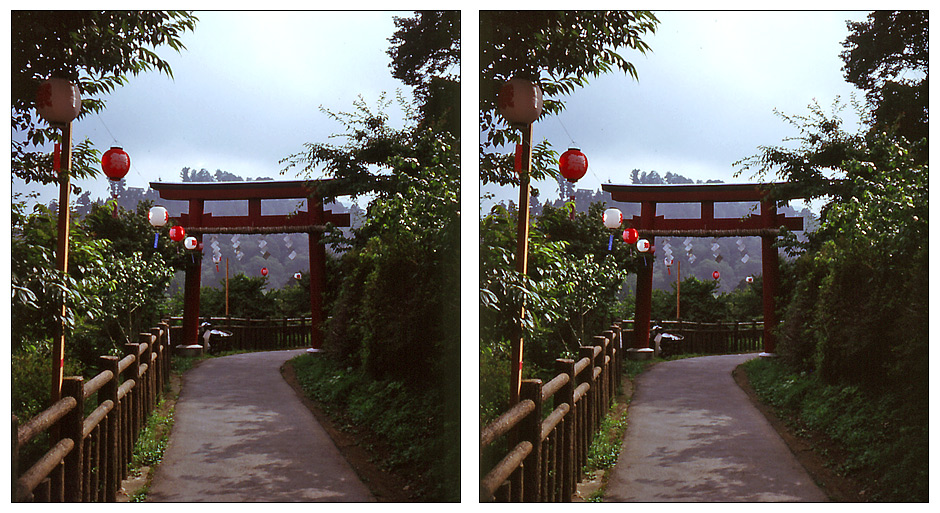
x=766, y=225
x=196, y=222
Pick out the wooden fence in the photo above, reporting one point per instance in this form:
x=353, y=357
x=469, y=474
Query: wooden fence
x=545, y=456
x=256, y=334
x=546, y=453
x=88, y=455
x=706, y=337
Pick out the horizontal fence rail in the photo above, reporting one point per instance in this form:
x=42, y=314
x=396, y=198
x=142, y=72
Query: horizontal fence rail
x=254, y=334
x=702, y=337
x=88, y=459
x=545, y=456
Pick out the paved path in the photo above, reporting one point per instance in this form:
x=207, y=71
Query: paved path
x=694, y=436
x=242, y=435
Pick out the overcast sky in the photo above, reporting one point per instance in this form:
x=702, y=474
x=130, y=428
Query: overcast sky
x=248, y=89
x=705, y=97
x=246, y=93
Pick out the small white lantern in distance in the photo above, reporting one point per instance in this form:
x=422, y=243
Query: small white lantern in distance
x=190, y=243
x=158, y=216
x=613, y=217
x=643, y=245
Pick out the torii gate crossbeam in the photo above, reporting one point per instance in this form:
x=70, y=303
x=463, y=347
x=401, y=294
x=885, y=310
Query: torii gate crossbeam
x=196, y=222
x=766, y=225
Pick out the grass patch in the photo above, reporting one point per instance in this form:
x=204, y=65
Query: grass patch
x=417, y=437
x=884, y=443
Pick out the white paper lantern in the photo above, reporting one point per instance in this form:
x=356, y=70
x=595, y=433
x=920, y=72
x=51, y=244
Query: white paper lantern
x=58, y=101
x=613, y=217
x=190, y=243
x=158, y=216
x=643, y=245
x=520, y=101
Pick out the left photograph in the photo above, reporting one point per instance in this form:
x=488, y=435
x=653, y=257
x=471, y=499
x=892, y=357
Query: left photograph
x=235, y=256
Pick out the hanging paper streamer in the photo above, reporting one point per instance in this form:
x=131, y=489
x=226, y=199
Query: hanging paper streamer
x=743, y=250
x=262, y=245
x=236, y=246
x=610, y=243
x=688, y=249
x=716, y=250
x=156, y=238
x=289, y=244
x=667, y=259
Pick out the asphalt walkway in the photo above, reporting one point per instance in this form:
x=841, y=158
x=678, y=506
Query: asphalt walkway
x=694, y=436
x=241, y=435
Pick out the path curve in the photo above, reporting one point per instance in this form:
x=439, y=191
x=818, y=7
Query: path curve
x=694, y=436
x=241, y=434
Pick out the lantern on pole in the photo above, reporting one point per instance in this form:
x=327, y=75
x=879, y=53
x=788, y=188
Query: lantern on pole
x=631, y=236
x=264, y=271
x=749, y=279
x=190, y=243
x=297, y=276
x=58, y=101
x=716, y=275
x=115, y=163
x=177, y=233
x=643, y=245
x=158, y=217
x=519, y=102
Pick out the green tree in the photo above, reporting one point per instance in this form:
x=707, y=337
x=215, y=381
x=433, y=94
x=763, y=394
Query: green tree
x=561, y=50
x=886, y=56
x=861, y=273
x=98, y=49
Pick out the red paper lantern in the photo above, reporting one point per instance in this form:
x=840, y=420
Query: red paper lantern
x=573, y=164
x=520, y=101
x=58, y=101
x=264, y=271
x=716, y=275
x=115, y=163
x=631, y=236
x=177, y=233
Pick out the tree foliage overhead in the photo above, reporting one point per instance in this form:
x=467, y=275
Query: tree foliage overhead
x=561, y=50
x=887, y=57
x=425, y=53
x=98, y=50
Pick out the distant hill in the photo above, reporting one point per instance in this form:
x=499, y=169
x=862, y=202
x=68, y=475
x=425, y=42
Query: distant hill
x=733, y=267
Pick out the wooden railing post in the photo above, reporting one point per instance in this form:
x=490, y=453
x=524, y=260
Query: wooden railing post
x=565, y=395
x=15, y=457
x=588, y=405
x=530, y=430
x=159, y=363
x=147, y=380
x=72, y=425
x=133, y=396
x=111, y=441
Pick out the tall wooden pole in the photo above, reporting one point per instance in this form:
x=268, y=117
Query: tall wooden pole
x=522, y=259
x=317, y=274
x=62, y=258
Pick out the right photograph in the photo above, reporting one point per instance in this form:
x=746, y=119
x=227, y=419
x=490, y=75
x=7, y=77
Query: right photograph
x=704, y=256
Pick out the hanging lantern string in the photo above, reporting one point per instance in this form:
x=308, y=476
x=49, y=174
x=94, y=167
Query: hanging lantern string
x=573, y=143
x=116, y=143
